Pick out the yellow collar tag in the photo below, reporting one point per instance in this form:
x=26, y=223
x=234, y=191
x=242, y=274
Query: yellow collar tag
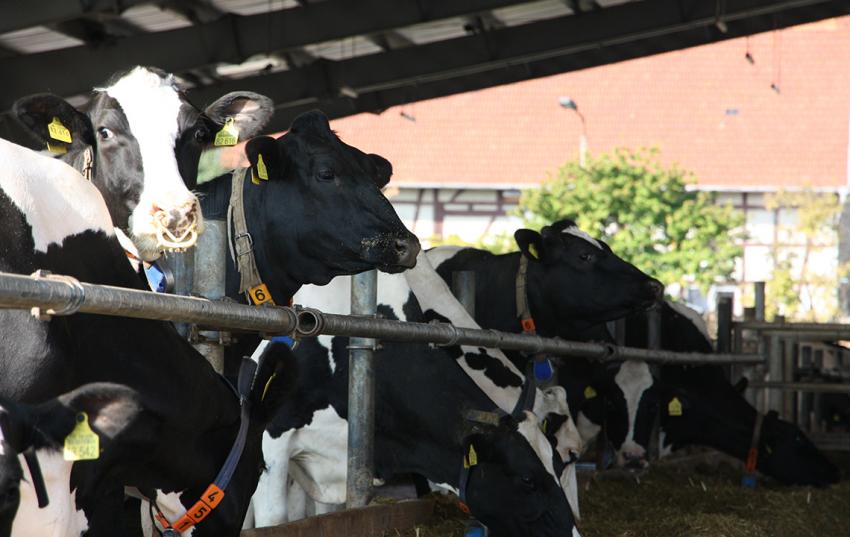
x=589, y=392
x=260, y=295
x=82, y=444
x=228, y=135
x=471, y=458
x=674, y=407
x=262, y=172
x=58, y=149
x=58, y=131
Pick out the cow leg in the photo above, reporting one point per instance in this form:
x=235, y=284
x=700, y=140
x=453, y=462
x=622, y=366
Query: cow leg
x=270, y=497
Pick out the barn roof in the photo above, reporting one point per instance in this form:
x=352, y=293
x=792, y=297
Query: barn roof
x=707, y=108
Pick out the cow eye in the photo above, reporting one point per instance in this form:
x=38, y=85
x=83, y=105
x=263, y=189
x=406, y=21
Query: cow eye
x=104, y=133
x=327, y=174
x=202, y=135
x=527, y=481
x=586, y=257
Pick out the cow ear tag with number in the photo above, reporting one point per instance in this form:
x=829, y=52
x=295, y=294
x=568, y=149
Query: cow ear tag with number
x=58, y=131
x=58, y=149
x=589, y=392
x=261, y=171
x=471, y=458
x=674, y=407
x=228, y=135
x=81, y=444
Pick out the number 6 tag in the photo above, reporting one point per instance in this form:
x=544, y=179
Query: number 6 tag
x=260, y=295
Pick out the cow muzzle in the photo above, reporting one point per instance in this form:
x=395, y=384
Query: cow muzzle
x=177, y=229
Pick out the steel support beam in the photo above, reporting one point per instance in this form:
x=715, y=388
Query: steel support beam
x=230, y=39
x=20, y=14
x=513, y=54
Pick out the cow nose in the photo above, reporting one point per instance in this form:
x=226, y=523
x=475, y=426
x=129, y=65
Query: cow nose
x=634, y=460
x=406, y=250
x=656, y=288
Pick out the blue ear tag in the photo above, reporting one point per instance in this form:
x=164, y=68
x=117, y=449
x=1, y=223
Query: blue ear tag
x=475, y=529
x=284, y=339
x=749, y=481
x=543, y=370
x=156, y=278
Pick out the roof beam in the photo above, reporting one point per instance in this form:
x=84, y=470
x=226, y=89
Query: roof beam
x=231, y=39
x=566, y=43
x=18, y=15
x=390, y=40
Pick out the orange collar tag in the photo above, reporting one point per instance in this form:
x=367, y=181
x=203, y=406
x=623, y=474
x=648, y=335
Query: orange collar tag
x=528, y=325
x=260, y=295
x=201, y=510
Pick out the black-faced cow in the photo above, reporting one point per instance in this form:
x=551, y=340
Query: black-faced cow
x=139, y=141
x=519, y=481
x=697, y=404
x=107, y=410
x=320, y=205
x=53, y=219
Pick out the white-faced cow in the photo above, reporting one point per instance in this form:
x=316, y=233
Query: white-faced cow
x=139, y=140
x=53, y=219
x=40, y=431
x=519, y=478
x=697, y=406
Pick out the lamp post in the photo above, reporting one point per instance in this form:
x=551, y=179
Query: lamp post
x=570, y=104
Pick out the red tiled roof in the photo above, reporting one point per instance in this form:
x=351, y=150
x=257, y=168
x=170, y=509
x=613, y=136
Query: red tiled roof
x=516, y=134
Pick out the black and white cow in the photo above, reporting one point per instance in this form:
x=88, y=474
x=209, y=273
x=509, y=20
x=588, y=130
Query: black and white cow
x=318, y=187
x=53, y=219
x=571, y=274
x=698, y=406
x=144, y=140
x=109, y=410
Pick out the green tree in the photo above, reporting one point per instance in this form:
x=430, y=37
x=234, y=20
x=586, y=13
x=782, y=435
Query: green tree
x=645, y=211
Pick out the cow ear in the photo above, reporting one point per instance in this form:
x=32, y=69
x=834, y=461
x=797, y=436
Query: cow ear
x=108, y=409
x=266, y=158
x=272, y=385
x=249, y=111
x=52, y=119
x=383, y=169
x=742, y=384
x=530, y=243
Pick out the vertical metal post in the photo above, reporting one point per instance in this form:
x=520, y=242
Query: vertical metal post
x=361, y=395
x=758, y=288
x=725, y=306
x=182, y=265
x=209, y=282
x=789, y=399
x=774, y=372
x=463, y=288
x=653, y=319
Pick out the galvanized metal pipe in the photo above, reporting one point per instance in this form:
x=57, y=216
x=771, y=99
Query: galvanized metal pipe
x=24, y=292
x=814, y=387
x=209, y=282
x=758, y=292
x=55, y=296
x=774, y=372
x=763, y=326
x=361, y=395
x=724, y=322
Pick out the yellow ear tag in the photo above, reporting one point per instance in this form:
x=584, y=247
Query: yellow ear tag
x=544, y=425
x=674, y=407
x=266, y=387
x=589, y=392
x=532, y=249
x=228, y=135
x=262, y=172
x=82, y=444
x=58, y=131
x=471, y=458
x=59, y=149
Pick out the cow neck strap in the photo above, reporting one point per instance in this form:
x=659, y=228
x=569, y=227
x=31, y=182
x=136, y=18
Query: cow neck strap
x=753, y=453
x=214, y=493
x=242, y=245
x=522, y=306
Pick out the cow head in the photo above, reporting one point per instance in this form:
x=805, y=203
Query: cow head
x=145, y=141
x=786, y=454
x=320, y=206
x=110, y=409
x=514, y=484
x=574, y=278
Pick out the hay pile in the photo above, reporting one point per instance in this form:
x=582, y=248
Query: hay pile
x=702, y=500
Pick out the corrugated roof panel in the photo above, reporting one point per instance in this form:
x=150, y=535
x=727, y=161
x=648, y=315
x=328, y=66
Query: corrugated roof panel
x=155, y=19
x=252, y=7
x=435, y=31
x=341, y=49
x=37, y=39
x=534, y=11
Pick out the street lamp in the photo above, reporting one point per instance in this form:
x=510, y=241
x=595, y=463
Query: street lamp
x=570, y=104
